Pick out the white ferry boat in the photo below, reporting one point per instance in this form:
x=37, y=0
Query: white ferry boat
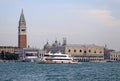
x=56, y=58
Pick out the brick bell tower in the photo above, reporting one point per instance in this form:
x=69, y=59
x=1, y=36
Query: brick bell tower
x=22, y=37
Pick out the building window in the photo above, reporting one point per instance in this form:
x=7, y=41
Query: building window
x=23, y=30
x=69, y=50
x=89, y=51
x=80, y=51
x=85, y=52
x=94, y=51
x=75, y=51
x=119, y=56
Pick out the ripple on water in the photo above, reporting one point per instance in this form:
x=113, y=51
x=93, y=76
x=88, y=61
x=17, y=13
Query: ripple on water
x=59, y=72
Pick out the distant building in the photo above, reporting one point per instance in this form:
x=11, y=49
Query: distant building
x=22, y=37
x=56, y=46
x=107, y=53
x=9, y=49
x=115, y=56
x=64, y=42
x=85, y=52
x=29, y=54
x=79, y=52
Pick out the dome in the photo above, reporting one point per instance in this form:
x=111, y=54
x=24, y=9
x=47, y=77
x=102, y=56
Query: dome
x=47, y=46
x=56, y=44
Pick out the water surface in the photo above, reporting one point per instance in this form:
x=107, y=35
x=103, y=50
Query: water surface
x=26, y=71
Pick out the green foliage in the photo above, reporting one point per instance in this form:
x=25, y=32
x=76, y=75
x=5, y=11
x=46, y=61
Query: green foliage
x=8, y=56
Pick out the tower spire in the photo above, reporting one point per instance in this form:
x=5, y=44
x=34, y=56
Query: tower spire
x=22, y=18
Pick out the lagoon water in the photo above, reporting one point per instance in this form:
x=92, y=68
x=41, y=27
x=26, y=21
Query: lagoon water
x=27, y=71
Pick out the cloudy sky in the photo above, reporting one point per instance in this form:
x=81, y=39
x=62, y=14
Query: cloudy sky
x=80, y=21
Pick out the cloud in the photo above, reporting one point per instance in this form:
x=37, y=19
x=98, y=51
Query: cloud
x=104, y=17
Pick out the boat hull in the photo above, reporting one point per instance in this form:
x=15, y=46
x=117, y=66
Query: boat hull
x=51, y=62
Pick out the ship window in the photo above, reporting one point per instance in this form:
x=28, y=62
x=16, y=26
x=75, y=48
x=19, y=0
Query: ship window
x=74, y=50
x=69, y=50
x=58, y=56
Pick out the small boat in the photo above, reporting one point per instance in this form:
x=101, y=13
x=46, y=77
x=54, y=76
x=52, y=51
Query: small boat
x=56, y=58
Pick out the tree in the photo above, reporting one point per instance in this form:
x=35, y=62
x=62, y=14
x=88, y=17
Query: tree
x=2, y=55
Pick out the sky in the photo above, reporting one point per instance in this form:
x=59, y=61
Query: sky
x=80, y=21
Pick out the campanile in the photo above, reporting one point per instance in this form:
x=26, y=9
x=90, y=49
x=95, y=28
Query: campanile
x=22, y=36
